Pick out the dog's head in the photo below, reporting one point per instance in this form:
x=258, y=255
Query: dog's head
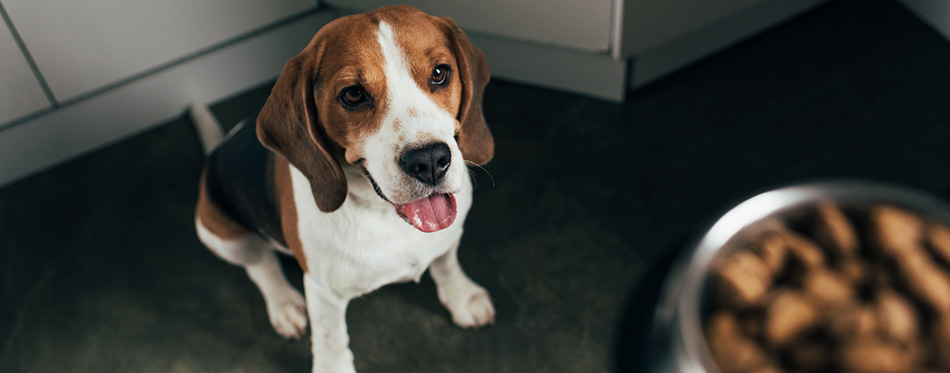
x=394, y=92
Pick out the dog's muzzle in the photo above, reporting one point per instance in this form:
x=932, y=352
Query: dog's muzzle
x=427, y=164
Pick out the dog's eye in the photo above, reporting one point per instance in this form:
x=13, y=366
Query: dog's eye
x=353, y=97
x=440, y=76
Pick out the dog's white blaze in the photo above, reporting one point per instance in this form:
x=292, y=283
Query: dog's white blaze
x=412, y=119
x=405, y=96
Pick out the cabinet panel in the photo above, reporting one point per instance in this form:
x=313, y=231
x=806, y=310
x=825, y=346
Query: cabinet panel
x=575, y=24
x=80, y=46
x=20, y=92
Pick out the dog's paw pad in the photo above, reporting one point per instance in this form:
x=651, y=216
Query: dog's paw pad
x=288, y=314
x=477, y=310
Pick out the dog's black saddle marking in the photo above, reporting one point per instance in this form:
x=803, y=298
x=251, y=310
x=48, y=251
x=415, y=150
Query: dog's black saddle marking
x=240, y=181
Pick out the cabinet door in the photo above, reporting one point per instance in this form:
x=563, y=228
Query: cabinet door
x=20, y=92
x=81, y=46
x=577, y=24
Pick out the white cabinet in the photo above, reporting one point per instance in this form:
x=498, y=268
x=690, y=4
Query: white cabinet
x=20, y=92
x=563, y=44
x=576, y=24
x=585, y=46
x=83, y=46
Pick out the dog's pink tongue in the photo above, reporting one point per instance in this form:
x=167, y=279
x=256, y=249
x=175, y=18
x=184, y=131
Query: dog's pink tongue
x=430, y=214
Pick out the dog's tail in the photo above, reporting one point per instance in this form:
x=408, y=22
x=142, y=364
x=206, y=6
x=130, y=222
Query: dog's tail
x=209, y=131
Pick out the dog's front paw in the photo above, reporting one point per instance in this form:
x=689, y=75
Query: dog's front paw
x=287, y=311
x=470, y=305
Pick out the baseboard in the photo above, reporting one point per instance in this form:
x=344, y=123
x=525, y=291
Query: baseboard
x=667, y=58
x=606, y=77
x=66, y=132
x=597, y=75
x=935, y=13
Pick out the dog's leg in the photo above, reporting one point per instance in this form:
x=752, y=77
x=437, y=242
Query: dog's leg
x=285, y=305
x=327, y=309
x=468, y=302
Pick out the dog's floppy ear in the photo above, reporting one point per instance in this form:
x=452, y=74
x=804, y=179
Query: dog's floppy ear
x=288, y=124
x=474, y=138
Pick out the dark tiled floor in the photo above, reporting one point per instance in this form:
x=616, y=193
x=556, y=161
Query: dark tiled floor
x=101, y=270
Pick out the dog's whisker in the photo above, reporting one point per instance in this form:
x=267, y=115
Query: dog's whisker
x=490, y=177
x=473, y=177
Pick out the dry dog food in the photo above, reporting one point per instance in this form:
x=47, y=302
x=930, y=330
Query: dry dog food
x=834, y=290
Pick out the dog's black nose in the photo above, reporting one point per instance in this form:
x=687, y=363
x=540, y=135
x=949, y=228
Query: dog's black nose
x=428, y=163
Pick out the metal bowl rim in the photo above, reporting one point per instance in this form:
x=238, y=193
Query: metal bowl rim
x=687, y=312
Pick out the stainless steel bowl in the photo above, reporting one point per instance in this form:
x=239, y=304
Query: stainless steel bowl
x=677, y=342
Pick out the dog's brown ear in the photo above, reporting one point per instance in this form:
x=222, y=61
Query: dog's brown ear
x=474, y=138
x=288, y=124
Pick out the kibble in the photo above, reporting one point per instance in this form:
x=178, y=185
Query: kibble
x=826, y=294
x=833, y=230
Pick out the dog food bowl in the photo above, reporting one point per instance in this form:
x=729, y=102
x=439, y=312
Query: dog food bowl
x=676, y=341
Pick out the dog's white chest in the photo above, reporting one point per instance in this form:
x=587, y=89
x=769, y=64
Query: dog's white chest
x=363, y=246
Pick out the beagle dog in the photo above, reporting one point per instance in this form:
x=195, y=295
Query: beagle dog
x=362, y=175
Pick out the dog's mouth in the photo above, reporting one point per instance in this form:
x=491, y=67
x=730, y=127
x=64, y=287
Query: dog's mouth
x=430, y=214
